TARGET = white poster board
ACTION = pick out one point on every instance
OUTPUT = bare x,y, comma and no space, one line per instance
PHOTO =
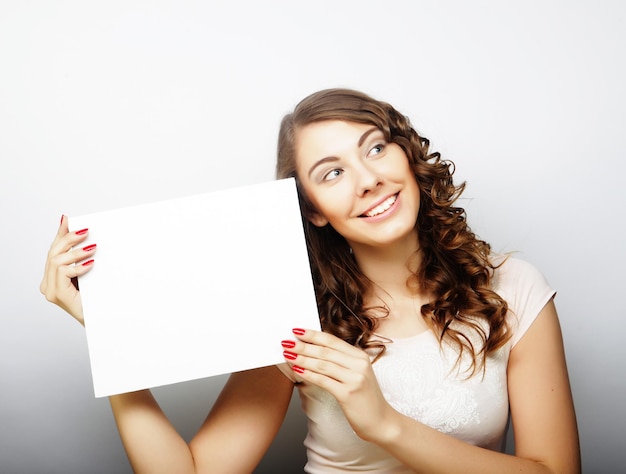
194,287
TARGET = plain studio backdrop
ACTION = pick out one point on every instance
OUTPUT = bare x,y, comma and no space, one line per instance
110,104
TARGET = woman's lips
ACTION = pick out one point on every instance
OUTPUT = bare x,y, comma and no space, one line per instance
382,207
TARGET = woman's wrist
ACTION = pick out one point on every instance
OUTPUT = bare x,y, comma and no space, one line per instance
388,431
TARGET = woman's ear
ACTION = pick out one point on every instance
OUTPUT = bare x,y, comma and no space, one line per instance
309,212
316,219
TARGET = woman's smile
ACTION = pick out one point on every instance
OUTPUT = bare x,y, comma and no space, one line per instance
380,210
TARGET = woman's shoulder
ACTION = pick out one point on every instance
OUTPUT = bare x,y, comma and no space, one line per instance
525,289
514,272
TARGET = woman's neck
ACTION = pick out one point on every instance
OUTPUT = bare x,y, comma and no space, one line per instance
389,267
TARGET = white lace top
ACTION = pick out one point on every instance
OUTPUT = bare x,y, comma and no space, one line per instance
417,378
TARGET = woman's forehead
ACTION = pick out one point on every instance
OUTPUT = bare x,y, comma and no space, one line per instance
329,134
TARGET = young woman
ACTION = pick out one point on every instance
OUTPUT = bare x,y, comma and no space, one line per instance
429,339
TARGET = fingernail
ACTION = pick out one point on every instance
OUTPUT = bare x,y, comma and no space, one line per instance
89,247
297,369
288,344
298,331
62,217
81,232
290,355
87,263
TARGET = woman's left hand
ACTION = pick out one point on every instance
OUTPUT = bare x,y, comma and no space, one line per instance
346,373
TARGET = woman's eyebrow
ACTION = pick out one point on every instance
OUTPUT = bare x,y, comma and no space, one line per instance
321,162
328,159
366,134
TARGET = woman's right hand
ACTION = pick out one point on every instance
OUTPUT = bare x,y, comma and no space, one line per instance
66,261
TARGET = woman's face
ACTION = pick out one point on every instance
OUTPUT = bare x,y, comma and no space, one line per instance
357,182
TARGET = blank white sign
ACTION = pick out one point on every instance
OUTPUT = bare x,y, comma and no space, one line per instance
195,287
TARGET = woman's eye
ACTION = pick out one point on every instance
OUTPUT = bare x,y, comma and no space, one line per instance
377,149
333,174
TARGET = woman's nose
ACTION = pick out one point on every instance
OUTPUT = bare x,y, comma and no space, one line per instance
367,179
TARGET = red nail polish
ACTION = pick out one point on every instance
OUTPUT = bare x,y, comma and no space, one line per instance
87,263
81,232
290,355
297,369
298,331
62,217
89,247
288,344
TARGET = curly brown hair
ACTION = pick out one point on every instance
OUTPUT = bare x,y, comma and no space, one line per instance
455,265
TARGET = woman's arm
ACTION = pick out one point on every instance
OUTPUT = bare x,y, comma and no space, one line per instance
542,411
151,442
233,438
541,405
243,422
542,408
237,432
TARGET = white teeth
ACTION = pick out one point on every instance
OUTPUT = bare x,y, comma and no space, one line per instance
382,207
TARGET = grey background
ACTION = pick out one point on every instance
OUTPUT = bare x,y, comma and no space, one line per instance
104,105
